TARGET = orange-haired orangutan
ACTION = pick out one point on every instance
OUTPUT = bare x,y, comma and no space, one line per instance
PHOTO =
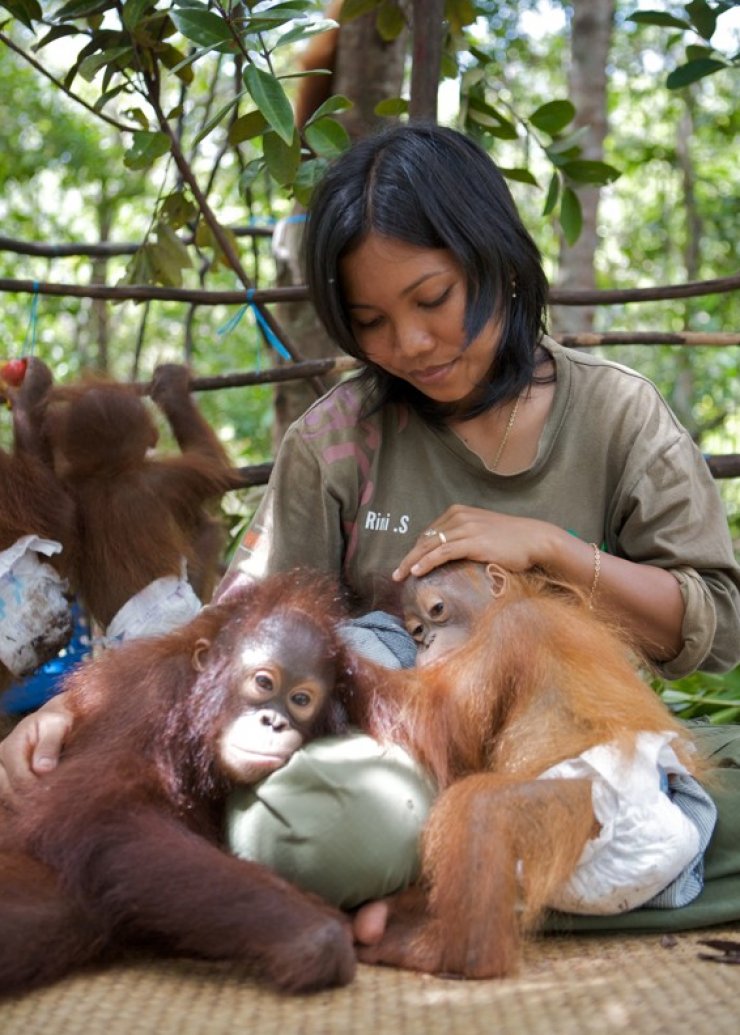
549,751
121,843
37,532
141,519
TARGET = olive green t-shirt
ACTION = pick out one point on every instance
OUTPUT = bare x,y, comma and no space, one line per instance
350,494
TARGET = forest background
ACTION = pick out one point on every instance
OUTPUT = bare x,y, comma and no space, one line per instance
153,143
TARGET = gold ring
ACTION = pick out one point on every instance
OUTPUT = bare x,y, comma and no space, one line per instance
430,532
442,537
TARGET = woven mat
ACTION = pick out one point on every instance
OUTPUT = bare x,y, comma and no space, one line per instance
577,985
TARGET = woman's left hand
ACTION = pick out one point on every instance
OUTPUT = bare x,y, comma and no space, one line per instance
475,534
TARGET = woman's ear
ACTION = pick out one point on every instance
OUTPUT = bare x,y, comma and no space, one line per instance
499,579
198,658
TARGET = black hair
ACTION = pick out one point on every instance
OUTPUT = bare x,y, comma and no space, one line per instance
432,187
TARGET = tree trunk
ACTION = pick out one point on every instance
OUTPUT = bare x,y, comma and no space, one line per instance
684,388
367,70
427,58
591,30
100,322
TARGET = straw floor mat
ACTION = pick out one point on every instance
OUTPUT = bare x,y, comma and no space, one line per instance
577,985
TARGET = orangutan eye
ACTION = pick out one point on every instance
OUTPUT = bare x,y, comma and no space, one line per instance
264,682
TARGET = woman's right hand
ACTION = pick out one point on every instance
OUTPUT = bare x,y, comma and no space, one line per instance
33,748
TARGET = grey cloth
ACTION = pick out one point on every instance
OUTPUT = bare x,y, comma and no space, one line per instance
382,638
688,794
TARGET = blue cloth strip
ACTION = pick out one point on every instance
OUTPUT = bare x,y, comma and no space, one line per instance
29,343
232,323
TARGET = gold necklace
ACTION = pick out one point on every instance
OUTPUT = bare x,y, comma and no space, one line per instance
502,445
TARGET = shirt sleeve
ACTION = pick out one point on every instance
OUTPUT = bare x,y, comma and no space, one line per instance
673,517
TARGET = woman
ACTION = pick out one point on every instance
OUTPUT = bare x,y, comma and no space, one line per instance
470,433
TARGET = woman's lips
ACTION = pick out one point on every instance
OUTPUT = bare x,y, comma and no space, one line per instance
433,375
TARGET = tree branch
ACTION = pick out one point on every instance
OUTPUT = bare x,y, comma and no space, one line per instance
65,90
299,293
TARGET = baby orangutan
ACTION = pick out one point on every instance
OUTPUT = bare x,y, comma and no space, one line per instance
122,843
548,750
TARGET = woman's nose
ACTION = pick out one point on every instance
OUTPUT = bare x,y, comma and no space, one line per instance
412,338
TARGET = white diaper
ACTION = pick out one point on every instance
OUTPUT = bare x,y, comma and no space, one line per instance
645,840
159,608
35,616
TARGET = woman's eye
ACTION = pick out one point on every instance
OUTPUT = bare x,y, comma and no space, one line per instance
439,300
367,325
264,682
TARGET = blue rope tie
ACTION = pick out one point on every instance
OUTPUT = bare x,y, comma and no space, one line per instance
232,323
29,343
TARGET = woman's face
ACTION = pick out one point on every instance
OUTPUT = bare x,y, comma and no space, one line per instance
407,306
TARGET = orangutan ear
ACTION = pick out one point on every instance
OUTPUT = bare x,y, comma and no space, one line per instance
201,648
499,579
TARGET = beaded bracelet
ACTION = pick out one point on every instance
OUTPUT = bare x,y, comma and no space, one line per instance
597,573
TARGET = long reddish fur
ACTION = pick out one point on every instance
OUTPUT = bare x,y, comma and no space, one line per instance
121,843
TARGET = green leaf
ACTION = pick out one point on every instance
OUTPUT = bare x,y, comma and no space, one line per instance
137,115
553,193
172,58
480,55
571,216
390,22
192,58
140,269
246,127
26,11
330,107
391,107
309,174
146,149
203,27
169,257
90,67
486,115
569,142
448,67
215,119
250,173
519,175
459,13
57,33
270,98
109,95
724,716
658,18
560,157
83,9
354,8
552,117
587,171
282,159
327,137
270,19
178,209
303,32
694,52
134,12
703,18
693,71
